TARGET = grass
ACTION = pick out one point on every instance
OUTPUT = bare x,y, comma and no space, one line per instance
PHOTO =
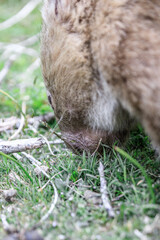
134,174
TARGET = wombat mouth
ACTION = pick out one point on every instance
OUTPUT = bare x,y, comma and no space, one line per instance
92,141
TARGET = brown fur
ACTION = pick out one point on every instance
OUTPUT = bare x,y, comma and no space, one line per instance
89,46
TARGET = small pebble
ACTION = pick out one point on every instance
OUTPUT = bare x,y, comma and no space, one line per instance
54,224
9,195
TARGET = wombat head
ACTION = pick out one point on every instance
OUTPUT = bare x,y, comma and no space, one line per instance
85,107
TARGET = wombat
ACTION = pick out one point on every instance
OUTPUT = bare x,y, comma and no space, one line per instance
101,67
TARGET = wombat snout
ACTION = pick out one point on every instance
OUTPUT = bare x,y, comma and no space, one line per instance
92,141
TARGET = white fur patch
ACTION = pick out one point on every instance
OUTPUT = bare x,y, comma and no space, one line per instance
102,112
106,113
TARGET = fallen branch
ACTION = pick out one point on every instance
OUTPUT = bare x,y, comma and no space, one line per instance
24,12
103,189
21,145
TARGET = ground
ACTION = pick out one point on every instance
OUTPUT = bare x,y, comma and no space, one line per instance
134,189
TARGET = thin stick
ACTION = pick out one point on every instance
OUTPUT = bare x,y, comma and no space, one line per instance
55,199
98,145
17,49
49,181
7,123
31,68
104,195
14,56
26,42
48,144
5,70
33,160
31,40
22,122
24,12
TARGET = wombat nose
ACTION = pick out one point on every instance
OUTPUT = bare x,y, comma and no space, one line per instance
90,141
82,141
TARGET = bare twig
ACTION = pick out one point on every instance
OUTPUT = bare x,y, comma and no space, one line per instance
140,235
32,160
53,203
27,42
17,156
48,144
21,122
16,49
12,57
118,197
30,41
98,145
31,68
49,181
7,123
55,199
10,47
104,194
24,12
5,70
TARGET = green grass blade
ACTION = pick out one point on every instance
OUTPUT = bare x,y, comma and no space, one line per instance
16,162
13,100
138,165
10,97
